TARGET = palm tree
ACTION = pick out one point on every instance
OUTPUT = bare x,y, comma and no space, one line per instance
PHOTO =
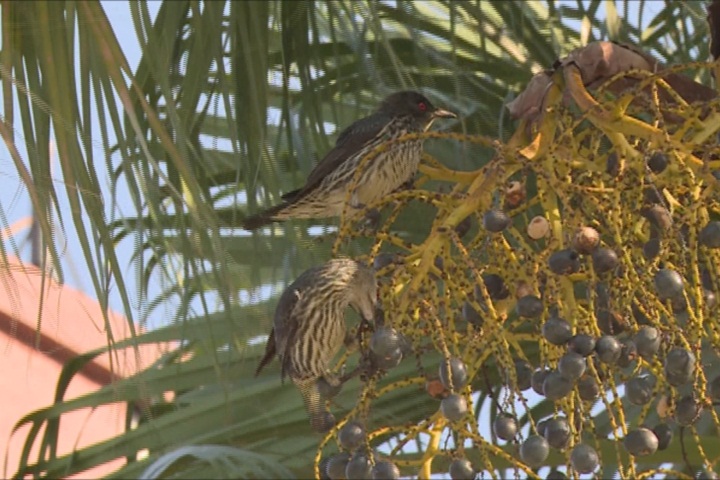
231,105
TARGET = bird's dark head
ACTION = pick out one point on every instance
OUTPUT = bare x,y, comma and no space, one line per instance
409,103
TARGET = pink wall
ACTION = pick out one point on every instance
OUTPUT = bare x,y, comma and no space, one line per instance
28,378
70,323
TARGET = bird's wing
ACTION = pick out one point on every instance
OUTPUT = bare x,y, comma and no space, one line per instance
350,141
286,325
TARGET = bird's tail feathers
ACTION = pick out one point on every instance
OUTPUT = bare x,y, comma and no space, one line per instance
263,218
269,353
290,196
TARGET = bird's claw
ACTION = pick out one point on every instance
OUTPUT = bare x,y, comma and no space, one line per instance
407,185
351,341
329,385
364,327
331,379
372,219
366,369
351,374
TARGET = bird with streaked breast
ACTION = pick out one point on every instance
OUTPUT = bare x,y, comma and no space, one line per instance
309,327
326,188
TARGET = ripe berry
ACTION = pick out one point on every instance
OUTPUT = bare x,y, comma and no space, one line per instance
359,467
647,341
687,411
679,366
641,442
588,388
556,386
710,235
584,458
668,284
557,433
534,451
639,390
453,373
604,260
471,315
664,433
564,262
582,344
530,306
657,162
454,407
537,379
523,373
336,465
557,330
461,469
351,435
628,353
572,366
496,221
505,427
495,286
608,349
384,470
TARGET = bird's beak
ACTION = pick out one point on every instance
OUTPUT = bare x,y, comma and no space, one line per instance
441,113
368,313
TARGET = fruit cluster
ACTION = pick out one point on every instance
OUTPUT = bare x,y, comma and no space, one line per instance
572,281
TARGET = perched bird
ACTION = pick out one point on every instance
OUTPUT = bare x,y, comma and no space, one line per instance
325,191
309,327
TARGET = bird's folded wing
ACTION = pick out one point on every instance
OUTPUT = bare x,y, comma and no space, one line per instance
285,325
349,143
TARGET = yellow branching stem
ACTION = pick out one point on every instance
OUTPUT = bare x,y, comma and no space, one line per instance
637,167
433,447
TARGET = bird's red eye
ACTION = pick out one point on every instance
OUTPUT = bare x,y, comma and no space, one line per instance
422,106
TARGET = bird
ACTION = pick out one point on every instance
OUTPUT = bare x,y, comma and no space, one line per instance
309,328
324,192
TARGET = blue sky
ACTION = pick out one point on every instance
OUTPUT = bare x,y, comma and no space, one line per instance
15,204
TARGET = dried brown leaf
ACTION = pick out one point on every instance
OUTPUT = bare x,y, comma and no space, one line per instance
528,104
598,62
